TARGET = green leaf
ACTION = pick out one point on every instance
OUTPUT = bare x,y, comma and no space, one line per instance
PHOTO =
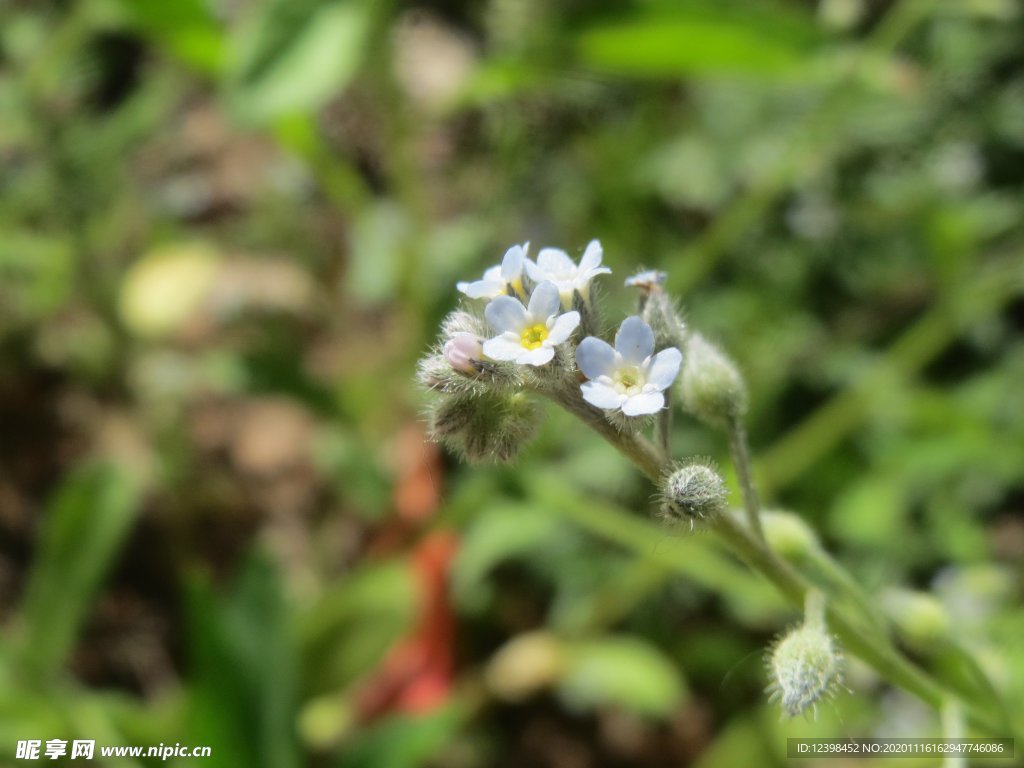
84,528
297,54
699,38
243,671
355,622
623,671
186,28
501,532
403,741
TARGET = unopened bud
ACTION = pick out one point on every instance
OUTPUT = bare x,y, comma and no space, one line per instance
788,534
461,321
451,415
661,313
711,385
920,618
491,426
805,665
693,492
464,350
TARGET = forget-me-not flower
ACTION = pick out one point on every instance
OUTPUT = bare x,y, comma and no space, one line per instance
647,280
496,280
629,377
554,265
528,335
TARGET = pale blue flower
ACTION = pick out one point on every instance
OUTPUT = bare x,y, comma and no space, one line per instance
555,266
528,335
648,280
496,280
630,377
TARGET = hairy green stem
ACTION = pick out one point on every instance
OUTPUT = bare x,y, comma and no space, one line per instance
871,646
744,474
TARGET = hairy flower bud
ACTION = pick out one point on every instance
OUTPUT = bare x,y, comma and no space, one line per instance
788,534
711,385
461,321
491,426
805,665
464,350
691,493
660,312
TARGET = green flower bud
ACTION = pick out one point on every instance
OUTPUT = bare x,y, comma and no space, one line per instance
692,493
805,666
660,312
491,426
788,534
921,619
711,386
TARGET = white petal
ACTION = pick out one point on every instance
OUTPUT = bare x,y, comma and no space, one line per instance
663,368
512,264
590,274
555,262
483,289
563,326
538,356
544,302
508,346
601,395
649,278
634,341
638,405
536,274
506,314
595,357
591,256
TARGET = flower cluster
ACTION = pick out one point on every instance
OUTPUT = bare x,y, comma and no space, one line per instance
520,329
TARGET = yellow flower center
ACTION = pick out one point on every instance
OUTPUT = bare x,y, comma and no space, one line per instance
628,380
533,336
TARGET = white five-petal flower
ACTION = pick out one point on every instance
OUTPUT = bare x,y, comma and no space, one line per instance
555,266
629,377
528,335
496,280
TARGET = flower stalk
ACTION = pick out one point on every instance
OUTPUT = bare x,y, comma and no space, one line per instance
537,313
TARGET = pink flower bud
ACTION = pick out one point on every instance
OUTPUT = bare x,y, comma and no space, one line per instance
463,350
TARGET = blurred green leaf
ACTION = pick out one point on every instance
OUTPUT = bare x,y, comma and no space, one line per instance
85,525
186,28
354,623
500,532
623,671
402,741
671,40
294,55
243,701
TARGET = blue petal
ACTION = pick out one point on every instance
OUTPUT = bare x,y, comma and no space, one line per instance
545,301
595,357
506,314
635,340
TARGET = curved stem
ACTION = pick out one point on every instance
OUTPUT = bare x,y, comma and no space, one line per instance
873,647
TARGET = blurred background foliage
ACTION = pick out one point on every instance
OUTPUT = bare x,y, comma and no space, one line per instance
228,228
